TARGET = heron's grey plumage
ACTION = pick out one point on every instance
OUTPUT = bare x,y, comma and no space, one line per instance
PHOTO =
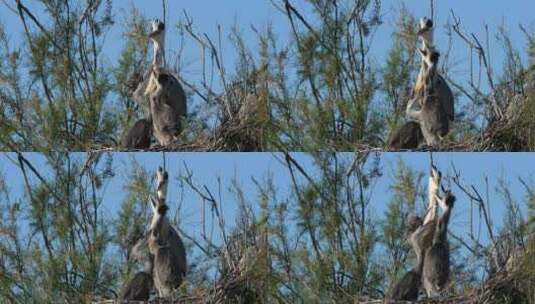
428,109
445,95
443,91
433,104
436,268
408,136
167,102
137,288
139,136
137,85
408,287
432,107
169,264
168,107
421,237
165,245
140,253
433,120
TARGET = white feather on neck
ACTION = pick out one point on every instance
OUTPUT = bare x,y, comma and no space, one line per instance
161,194
158,65
159,51
155,219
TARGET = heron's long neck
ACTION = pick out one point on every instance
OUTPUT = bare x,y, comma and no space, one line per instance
429,40
431,79
432,191
156,219
159,221
441,232
159,53
419,262
427,43
416,242
420,80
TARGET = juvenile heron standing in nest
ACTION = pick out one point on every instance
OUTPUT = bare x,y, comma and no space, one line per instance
160,94
139,287
407,137
167,99
429,110
421,236
430,90
139,136
436,268
165,245
408,287
443,91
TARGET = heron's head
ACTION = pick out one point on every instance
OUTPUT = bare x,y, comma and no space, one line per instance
426,24
435,173
425,32
162,174
157,33
162,209
449,199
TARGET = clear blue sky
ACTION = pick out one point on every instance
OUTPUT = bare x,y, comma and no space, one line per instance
208,167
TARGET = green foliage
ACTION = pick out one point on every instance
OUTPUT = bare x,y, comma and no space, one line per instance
317,241
132,59
399,73
58,252
405,191
323,90
334,63
131,224
64,87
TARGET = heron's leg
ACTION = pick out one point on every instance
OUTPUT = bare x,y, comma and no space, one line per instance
154,204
